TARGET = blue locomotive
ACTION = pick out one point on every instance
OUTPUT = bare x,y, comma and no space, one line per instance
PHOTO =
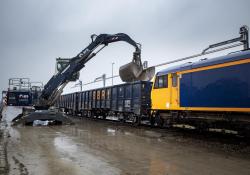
210,93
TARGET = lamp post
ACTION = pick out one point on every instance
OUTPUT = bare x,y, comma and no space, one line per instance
103,78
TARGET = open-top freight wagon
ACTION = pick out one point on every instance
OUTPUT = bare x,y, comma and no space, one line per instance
129,101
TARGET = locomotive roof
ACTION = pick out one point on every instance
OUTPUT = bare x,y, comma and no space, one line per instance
206,62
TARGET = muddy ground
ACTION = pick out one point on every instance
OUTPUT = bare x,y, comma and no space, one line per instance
97,147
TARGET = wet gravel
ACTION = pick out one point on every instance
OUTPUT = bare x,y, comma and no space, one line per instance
101,147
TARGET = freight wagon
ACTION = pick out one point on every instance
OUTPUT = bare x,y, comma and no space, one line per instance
130,101
22,97
22,92
19,98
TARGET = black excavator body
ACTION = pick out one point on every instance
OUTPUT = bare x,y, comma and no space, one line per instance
52,117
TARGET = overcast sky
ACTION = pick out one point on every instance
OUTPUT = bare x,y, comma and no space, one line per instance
35,32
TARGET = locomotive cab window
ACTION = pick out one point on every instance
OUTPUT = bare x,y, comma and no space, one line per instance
161,82
174,80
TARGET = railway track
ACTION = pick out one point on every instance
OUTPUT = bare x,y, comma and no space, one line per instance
222,137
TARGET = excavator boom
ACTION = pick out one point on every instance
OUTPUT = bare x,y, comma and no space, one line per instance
55,85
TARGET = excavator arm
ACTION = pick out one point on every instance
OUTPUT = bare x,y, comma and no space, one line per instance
55,85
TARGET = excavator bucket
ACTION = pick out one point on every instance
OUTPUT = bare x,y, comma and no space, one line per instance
130,72
133,72
147,74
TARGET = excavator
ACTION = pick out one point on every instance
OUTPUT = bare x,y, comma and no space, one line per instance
69,71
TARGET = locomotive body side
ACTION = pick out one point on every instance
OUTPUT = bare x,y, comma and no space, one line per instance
221,85
215,89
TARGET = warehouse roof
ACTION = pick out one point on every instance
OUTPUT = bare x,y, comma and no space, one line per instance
207,62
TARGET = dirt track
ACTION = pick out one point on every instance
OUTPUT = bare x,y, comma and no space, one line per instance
94,147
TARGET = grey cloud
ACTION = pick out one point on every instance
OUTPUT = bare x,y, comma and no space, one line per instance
33,33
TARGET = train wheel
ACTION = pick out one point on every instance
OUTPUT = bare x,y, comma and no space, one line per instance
159,121
136,120
152,121
122,117
93,114
104,115
84,114
89,114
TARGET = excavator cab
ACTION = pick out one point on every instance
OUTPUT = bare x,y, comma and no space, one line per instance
61,64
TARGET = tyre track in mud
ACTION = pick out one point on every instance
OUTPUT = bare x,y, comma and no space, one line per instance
4,165
21,167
